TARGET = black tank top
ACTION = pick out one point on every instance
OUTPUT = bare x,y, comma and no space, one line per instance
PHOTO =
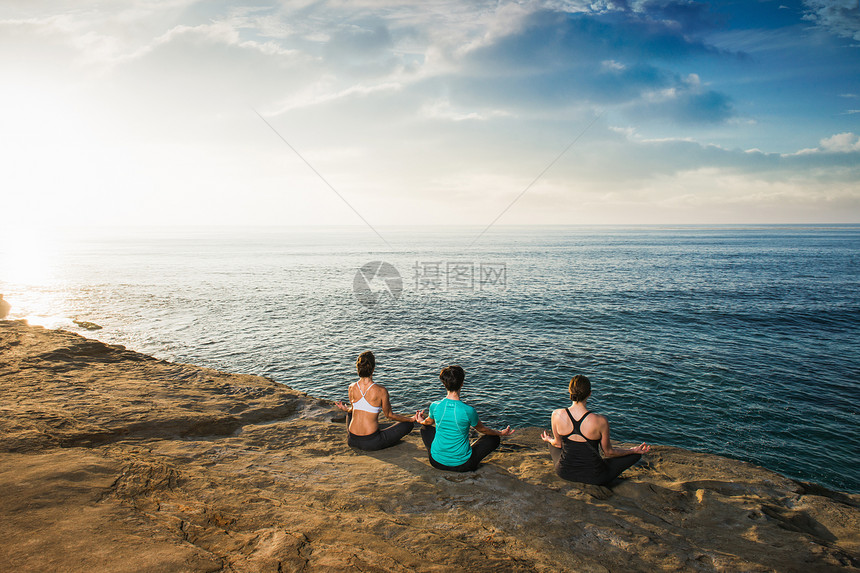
576,430
580,461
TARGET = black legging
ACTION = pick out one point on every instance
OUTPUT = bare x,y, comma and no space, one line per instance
612,468
386,436
480,450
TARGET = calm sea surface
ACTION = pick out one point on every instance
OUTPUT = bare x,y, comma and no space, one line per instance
733,340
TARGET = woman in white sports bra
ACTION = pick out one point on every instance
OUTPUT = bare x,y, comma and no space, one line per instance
367,400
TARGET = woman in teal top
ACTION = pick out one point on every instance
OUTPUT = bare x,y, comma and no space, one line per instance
445,430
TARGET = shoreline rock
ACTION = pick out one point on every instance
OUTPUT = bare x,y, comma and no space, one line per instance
111,460
5,307
87,325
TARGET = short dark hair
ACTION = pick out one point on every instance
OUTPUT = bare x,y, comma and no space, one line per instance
580,388
365,364
452,377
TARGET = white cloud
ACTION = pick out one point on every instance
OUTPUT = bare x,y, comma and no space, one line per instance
442,109
840,143
323,92
612,65
628,132
842,17
124,111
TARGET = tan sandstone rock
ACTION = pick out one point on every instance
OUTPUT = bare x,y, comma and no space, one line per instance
114,461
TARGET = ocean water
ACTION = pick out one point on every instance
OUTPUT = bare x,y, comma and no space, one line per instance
741,341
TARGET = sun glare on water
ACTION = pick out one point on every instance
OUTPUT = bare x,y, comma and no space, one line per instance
29,259
28,256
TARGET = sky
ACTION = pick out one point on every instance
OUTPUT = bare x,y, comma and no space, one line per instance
182,112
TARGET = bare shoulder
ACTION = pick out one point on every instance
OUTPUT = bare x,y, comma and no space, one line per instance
597,419
379,391
560,420
380,388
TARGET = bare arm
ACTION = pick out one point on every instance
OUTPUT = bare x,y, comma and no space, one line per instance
553,439
348,406
386,409
491,432
419,417
606,443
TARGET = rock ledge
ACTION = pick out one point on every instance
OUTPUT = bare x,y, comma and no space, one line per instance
114,461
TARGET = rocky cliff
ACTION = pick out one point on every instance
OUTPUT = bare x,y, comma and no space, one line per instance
111,460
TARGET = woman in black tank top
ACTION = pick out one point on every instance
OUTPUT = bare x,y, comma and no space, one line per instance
577,457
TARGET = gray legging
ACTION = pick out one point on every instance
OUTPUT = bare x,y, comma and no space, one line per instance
480,450
386,436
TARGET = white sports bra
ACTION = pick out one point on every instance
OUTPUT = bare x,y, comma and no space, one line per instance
362,403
